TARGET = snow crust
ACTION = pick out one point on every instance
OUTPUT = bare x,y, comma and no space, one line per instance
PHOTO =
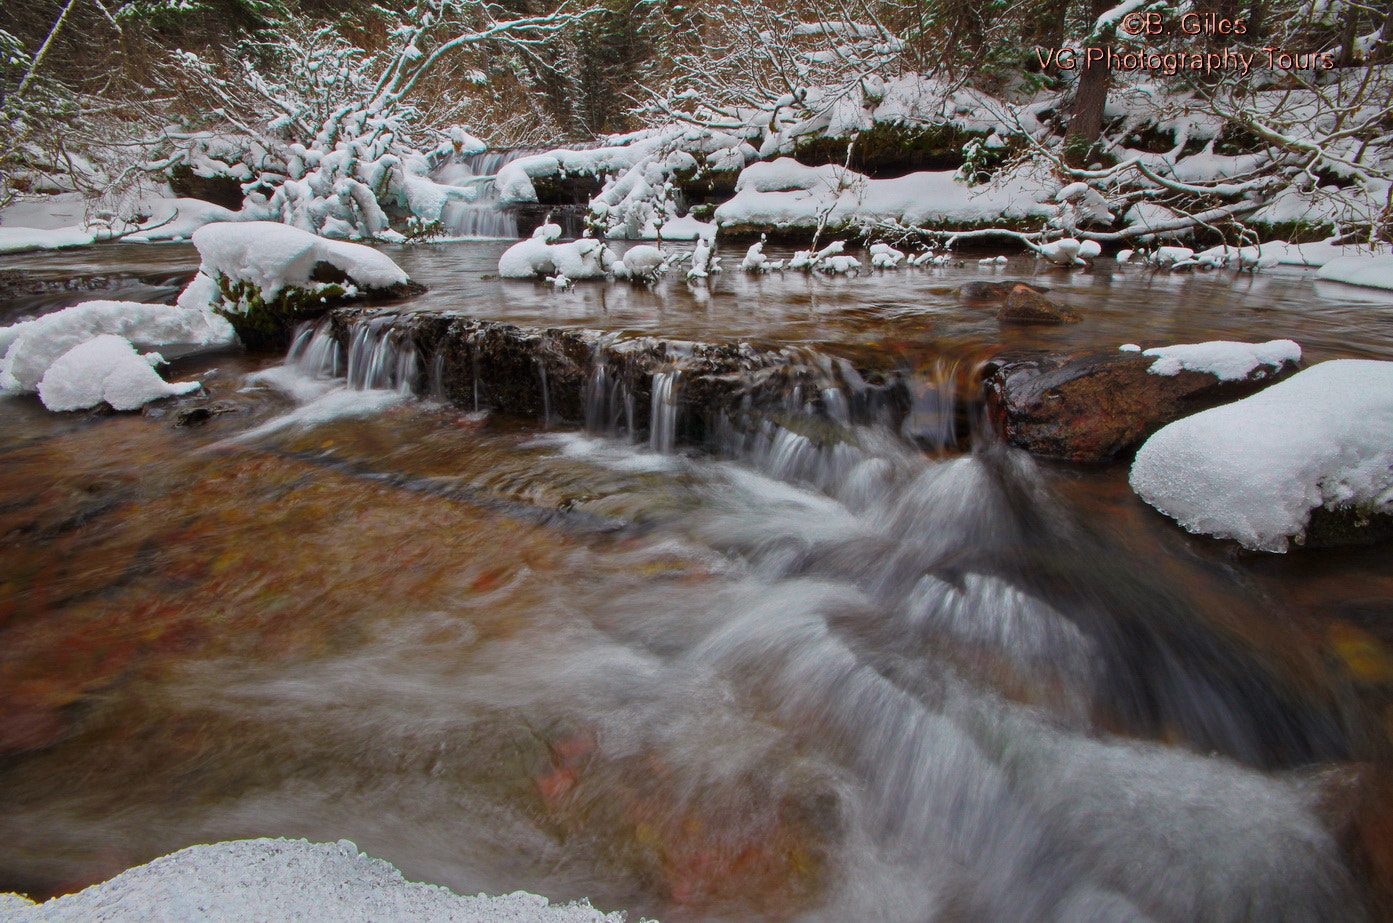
275,880
31,347
106,368
1254,470
274,257
1227,360
1373,271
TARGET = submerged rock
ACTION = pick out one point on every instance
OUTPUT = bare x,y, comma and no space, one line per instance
1025,305
1100,404
994,292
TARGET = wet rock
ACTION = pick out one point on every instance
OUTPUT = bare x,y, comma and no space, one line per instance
994,291
1101,404
568,375
197,416
1025,305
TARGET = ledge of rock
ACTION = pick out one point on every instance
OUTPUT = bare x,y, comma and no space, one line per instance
1100,404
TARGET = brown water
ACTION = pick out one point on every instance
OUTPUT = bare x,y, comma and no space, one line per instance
858,682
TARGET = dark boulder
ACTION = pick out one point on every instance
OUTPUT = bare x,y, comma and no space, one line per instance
1100,404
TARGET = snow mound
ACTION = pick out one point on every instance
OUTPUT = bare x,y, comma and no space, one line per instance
1225,360
274,257
1254,470
538,257
32,346
106,368
1373,271
280,879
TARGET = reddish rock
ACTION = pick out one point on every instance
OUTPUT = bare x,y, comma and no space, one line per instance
1024,305
1100,404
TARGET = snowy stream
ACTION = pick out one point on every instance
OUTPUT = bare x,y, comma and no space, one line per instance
790,679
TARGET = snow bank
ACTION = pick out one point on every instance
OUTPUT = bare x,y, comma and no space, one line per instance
285,880
786,194
31,347
1373,271
1254,470
106,368
1225,360
274,257
15,240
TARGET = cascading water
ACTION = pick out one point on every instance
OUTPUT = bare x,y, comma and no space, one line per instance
481,217
662,426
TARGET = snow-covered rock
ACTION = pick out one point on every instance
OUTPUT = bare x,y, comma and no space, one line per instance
1373,271
285,880
1254,470
1225,360
539,258
30,347
275,257
106,368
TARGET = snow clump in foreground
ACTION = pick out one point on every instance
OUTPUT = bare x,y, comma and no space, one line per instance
285,880
33,349
275,257
1222,359
106,368
1254,470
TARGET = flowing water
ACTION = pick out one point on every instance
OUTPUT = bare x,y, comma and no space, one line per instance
480,217
809,670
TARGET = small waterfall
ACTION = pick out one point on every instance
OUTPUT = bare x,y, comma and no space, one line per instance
932,420
608,399
546,392
379,357
314,352
482,217
662,426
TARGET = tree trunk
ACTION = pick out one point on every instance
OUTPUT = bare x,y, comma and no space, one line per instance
1086,115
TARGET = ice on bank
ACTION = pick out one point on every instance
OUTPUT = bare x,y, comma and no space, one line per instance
284,880
1254,470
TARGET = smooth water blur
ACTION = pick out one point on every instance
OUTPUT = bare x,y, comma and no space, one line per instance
786,679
